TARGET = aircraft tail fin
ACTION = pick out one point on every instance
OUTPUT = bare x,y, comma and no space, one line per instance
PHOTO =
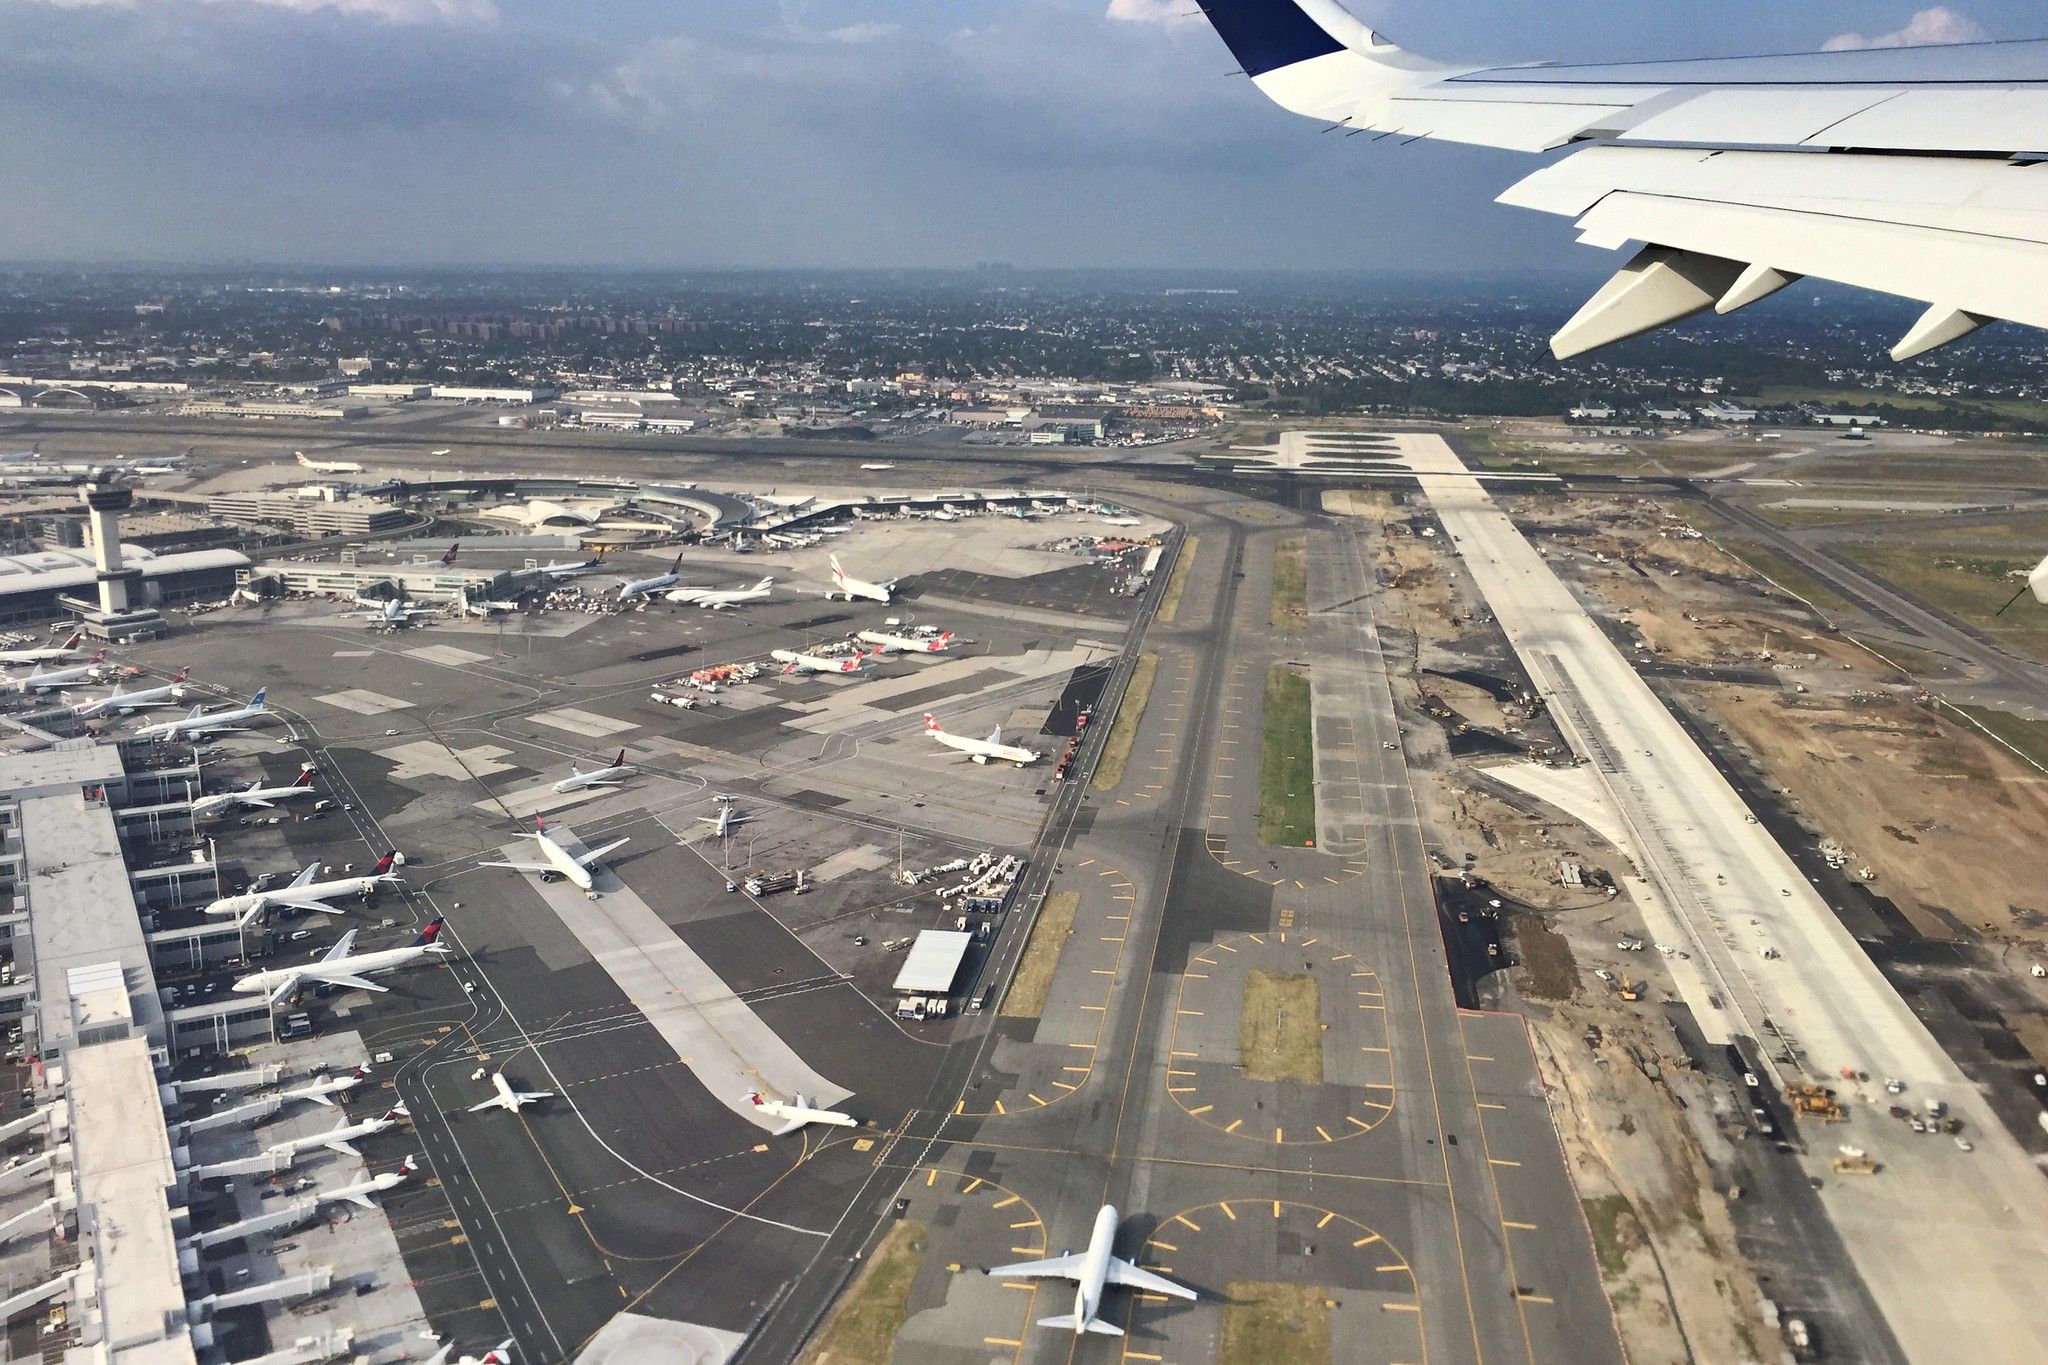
620,761
305,778
384,863
449,558
261,693
1073,1324
429,934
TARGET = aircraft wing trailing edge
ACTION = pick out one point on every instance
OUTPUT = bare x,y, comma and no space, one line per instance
1915,171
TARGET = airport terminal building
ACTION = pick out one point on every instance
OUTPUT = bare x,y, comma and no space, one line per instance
34,587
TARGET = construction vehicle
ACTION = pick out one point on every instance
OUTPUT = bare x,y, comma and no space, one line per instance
1629,989
1814,1101
1852,1161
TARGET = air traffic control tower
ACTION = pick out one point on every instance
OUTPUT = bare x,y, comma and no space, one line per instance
121,613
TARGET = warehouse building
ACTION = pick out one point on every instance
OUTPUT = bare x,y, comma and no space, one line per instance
277,412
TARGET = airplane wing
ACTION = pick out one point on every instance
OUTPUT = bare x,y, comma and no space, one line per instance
1124,1273
792,1126
333,978
341,1145
587,859
361,1197
494,1102
521,867
258,801
308,903
1928,189
317,1096
1058,1268
341,949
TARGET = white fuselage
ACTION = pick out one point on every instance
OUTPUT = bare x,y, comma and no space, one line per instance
718,599
55,678
49,654
250,901
599,777
853,589
801,662
323,1092
130,701
362,964
904,644
1094,1272
257,796
560,860
986,750
797,1112
199,725
338,1138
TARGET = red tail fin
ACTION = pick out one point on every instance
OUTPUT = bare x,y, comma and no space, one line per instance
620,761
449,558
183,673
430,933
72,643
305,778
384,863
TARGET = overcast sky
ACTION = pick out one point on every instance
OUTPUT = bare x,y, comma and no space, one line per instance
710,133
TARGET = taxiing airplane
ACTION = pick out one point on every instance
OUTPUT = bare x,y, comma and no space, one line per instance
723,823
1121,521
720,599
303,893
987,750
448,559
323,1090
877,466
29,456
797,662
798,1112
341,1137
328,466
255,794
501,1354
50,679
127,703
611,775
508,1098
886,643
1888,169
560,862
1092,1271
336,967
201,722
360,1192
646,587
45,654
851,588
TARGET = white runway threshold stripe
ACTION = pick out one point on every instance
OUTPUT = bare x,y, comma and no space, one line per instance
1951,1244
714,1033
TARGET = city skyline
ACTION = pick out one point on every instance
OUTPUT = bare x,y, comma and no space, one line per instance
890,133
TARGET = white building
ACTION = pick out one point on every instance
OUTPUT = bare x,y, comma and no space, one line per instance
402,393
460,394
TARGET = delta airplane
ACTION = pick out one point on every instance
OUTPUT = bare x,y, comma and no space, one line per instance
611,775
303,893
129,702
501,1354
328,466
45,654
1092,1271
560,862
645,587
360,1192
201,723
341,1137
852,588
981,750
448,559
798,1113
336,967
886,643
323,1090
508,1098
255,794
797,662
719,599
723,822
49,679
29,456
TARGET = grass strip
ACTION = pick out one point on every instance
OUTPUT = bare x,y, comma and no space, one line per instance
1032,983
1290,585
1264,1322
1123,733
864,1326
1287,765
1280,1035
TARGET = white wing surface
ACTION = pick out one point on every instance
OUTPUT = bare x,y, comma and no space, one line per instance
1909,171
